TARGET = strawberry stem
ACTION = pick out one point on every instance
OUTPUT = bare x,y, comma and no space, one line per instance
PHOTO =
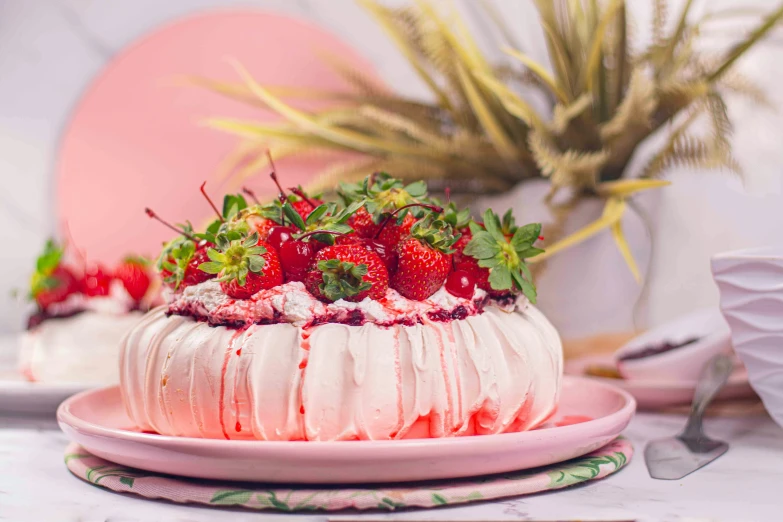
434,208
211,204
251,194
447,191
302,195
153,215
281,193
273,175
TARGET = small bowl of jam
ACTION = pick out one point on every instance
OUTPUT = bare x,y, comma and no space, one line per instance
677,350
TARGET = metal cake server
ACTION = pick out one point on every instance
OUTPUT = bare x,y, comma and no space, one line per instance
676,457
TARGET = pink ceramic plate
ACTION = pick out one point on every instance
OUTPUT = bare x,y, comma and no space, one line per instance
97,421
655,395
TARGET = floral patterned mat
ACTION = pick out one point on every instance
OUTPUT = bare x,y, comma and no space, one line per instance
105,474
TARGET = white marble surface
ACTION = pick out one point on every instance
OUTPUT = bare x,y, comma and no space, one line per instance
743,485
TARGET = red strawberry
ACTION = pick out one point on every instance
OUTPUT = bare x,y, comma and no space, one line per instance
165,274
303,208
96,281
469,264
56,288
392,233
241,260
261,225
279,235
254,283
480,275
387,255
302,203
193,275
460,284
349,239
421,269
460,245
350,272
133,275
363,223
296,257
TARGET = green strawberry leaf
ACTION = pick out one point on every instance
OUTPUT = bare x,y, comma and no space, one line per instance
49,258
458,219
235,256
417,189
212,267
525,236
500,278
293,216
492,225
475,228
527,288
436,233
505,258
482,246
256,264
342,279
232,205
175,257
529,252
317,213
251,240
508,224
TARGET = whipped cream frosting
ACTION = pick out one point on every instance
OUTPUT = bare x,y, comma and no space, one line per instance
83,348
79,341
493,372
292,303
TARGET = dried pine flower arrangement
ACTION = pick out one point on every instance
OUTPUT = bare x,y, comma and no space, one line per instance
480,134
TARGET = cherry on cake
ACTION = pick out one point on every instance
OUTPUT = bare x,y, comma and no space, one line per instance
387,315
81,313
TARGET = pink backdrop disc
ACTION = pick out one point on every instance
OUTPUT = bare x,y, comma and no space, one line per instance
135,138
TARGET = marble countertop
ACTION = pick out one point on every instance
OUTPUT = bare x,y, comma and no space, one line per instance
743,485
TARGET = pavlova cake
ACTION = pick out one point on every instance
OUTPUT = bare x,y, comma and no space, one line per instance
81,314
385,316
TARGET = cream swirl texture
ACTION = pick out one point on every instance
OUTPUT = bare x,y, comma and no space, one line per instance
494,372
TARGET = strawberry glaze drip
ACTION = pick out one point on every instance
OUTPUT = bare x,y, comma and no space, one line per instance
223,371
398,375
236,388
457,379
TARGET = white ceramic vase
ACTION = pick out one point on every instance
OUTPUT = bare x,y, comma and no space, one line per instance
586,289
751,299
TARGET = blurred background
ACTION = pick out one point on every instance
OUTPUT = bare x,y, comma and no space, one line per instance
53,53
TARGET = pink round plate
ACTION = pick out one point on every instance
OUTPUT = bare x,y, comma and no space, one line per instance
590,415
656,395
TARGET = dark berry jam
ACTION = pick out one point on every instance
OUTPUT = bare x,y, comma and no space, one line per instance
42,315
347,317
649,351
